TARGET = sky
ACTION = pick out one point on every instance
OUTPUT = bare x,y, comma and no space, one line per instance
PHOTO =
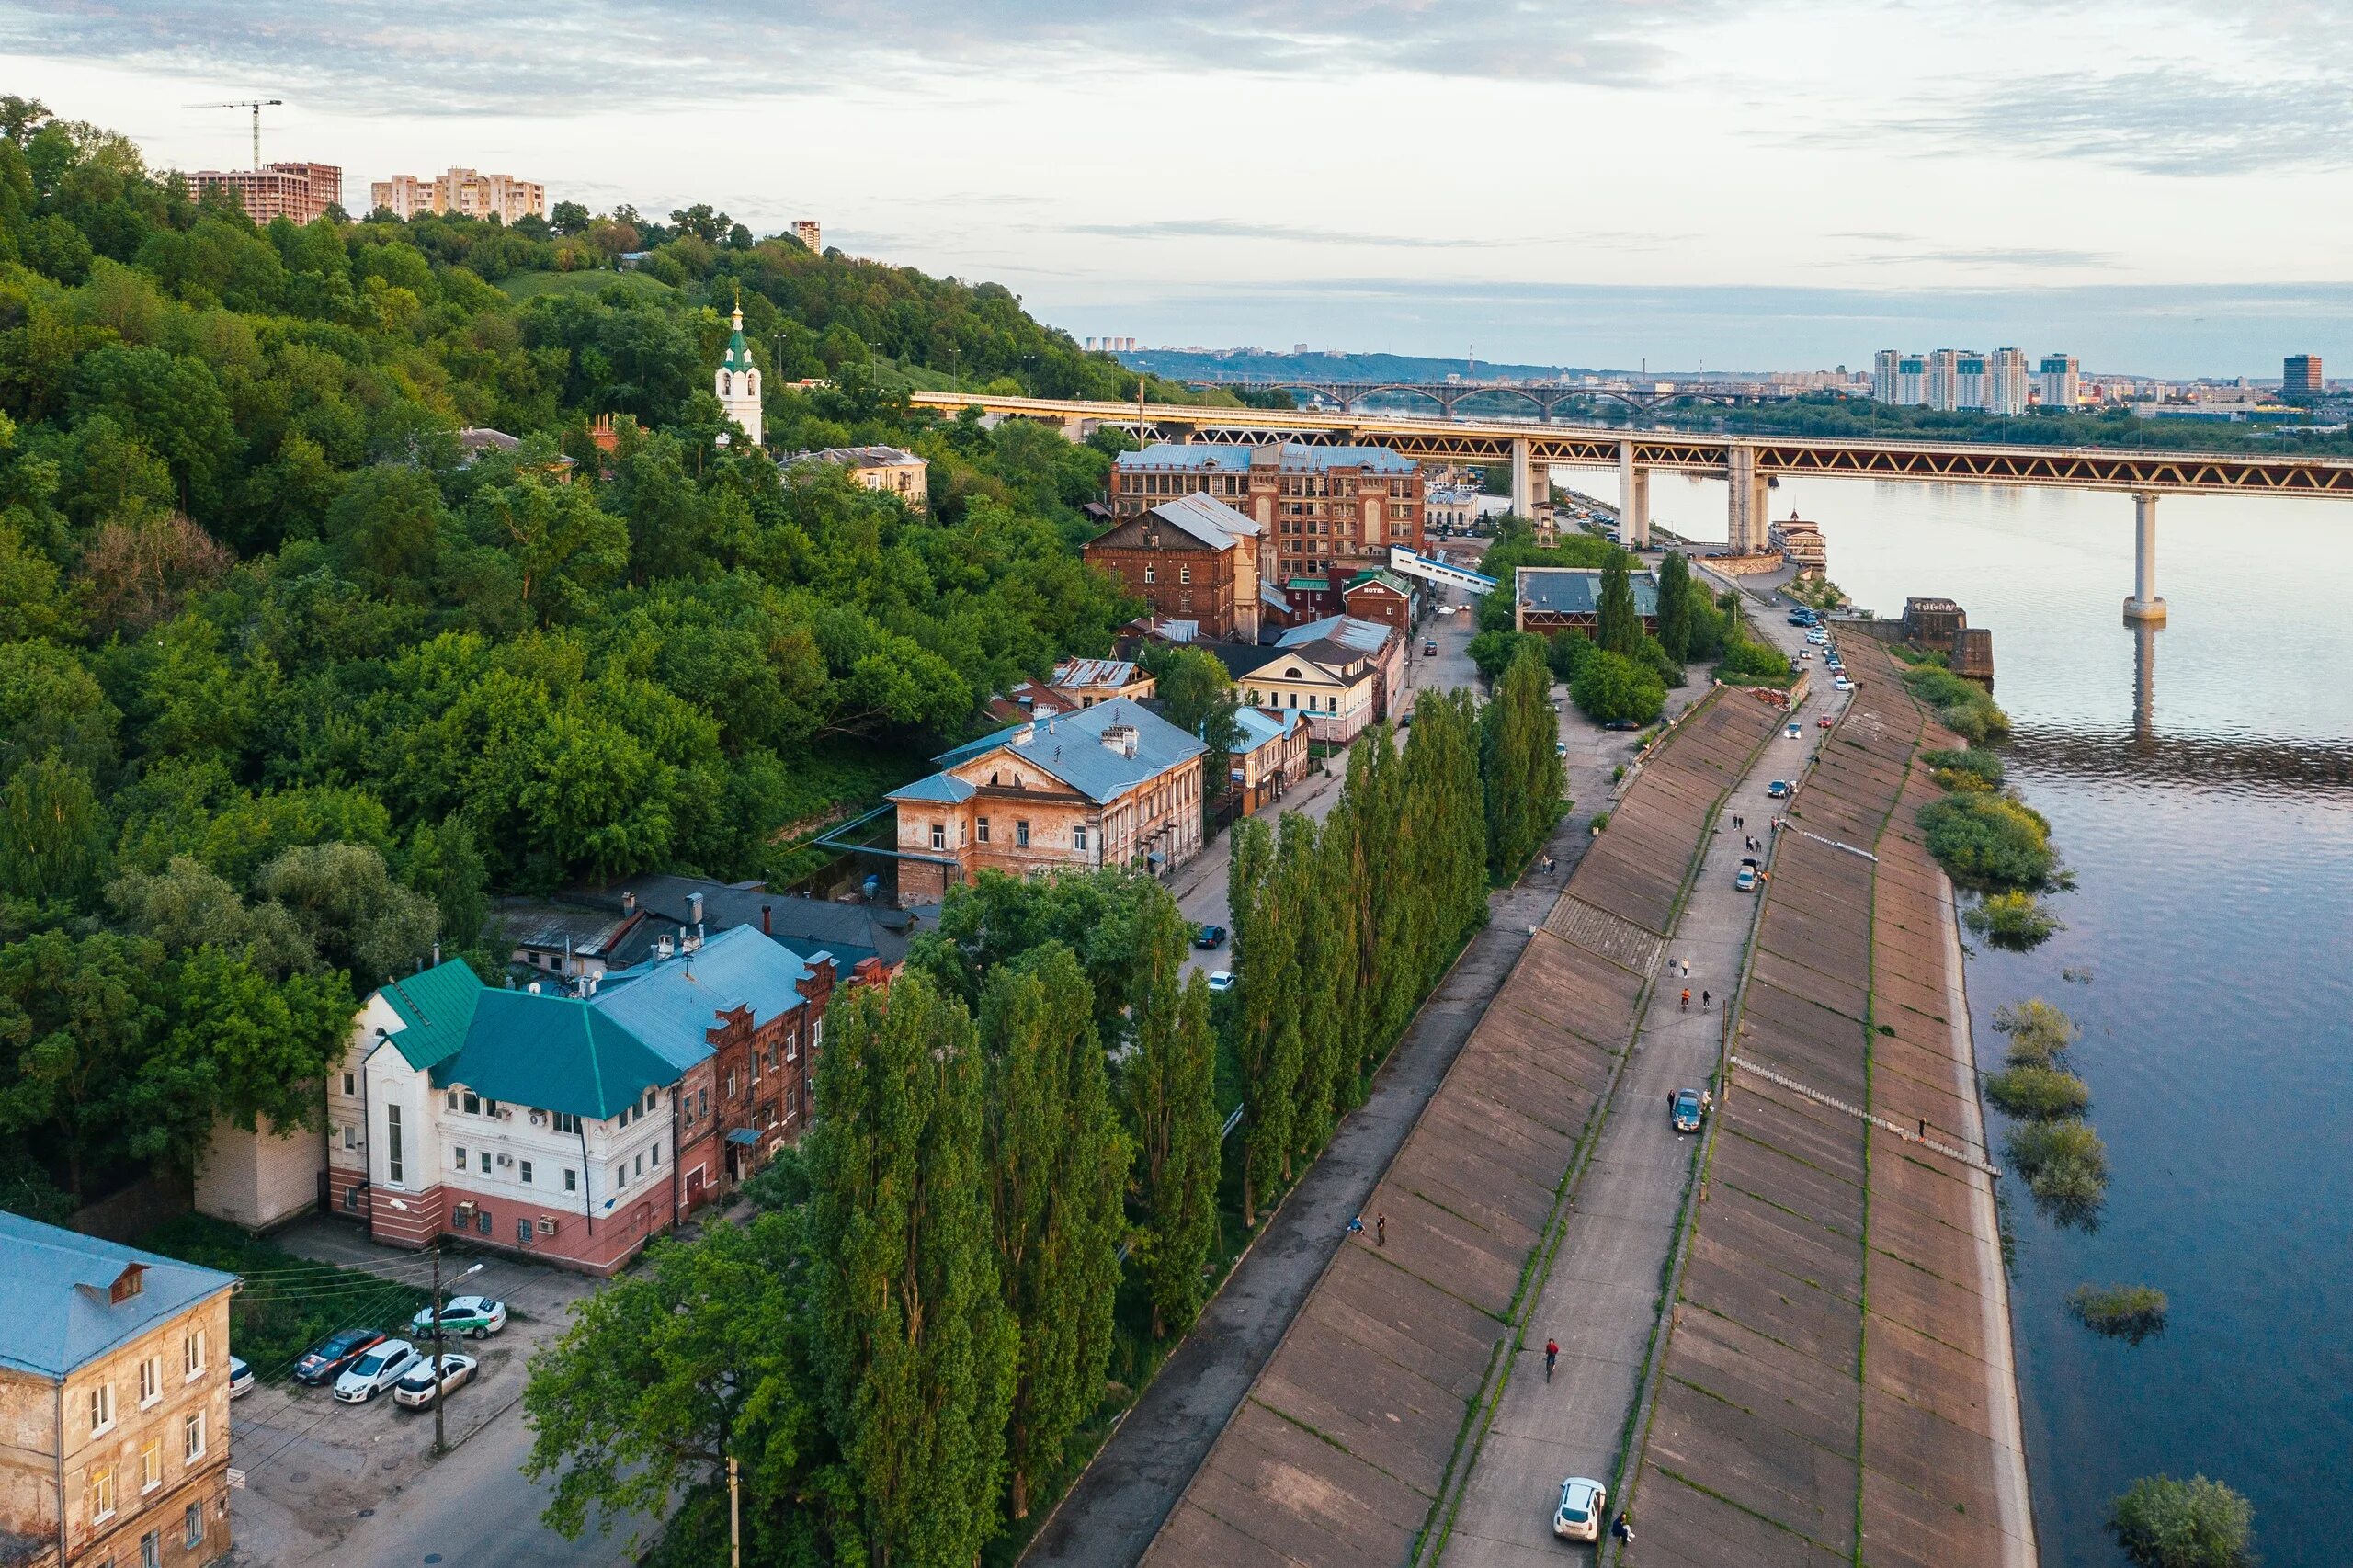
2152,185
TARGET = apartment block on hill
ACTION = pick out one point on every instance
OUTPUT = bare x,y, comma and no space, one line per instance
301,192
460,191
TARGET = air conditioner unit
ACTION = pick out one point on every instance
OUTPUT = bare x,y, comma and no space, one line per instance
506,1116
539,1118
463,1212
506,1159
547,1226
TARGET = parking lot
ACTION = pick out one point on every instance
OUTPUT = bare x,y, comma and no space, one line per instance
334,1483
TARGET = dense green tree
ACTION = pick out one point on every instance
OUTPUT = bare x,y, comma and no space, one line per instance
1674,605
913,1348
1168,1085
1521,764
344,900
1266,1038
1057,1163
1615,690
1618,628
53,832
77,1019
243,1045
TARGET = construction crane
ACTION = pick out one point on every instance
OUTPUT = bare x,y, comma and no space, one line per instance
257,105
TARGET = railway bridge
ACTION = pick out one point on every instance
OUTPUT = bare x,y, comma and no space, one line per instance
1749,463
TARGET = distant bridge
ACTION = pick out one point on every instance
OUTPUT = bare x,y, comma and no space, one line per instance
1749,463
1645,396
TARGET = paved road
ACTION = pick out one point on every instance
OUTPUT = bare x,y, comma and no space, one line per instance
1601,1298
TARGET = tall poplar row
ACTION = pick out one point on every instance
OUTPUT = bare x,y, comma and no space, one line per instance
1168,1084
1266,973
1057,1163
1324,1046
912,1344
1521,764
1442,789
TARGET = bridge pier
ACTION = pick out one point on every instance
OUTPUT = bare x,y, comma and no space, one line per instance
1523,480
1751,501
2144,605
1633,500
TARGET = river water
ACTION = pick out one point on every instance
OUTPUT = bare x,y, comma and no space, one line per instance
2199,783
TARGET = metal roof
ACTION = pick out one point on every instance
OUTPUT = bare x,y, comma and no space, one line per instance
56,1310
1577,590
854,457
556,1052
1214,523
850,931
436,1009
1095,672
531,924
1258,727
1071,748
671,1003
1363,636
942,788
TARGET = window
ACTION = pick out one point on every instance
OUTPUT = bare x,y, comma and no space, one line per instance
702,1102
565,1121
653,1099
570,1179
193,1438
192,1353
348,1086
527,1173
1078,836
490,1108
102,1493
1151,574
151,1550
1021,834
792,1046
460,1152
101,1408
195,1524
150,1467
351,1137
473,1103
730,1083
638,1169
481,1221
484,1155
1184,573
657,1156
450,1100
938,836
980,830
151,1381
392,1144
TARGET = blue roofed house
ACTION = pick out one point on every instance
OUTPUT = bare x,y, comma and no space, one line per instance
573,1122
1269,757
114,1402
1111,785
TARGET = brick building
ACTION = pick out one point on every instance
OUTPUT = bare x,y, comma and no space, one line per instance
1381,596
1191,558
114,1404
298,191
1338,675
1110,785
1325,512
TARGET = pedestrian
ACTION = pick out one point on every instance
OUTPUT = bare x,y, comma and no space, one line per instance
1381,1230
1623,1529
1356,1225
1703,1001
1686,969
1686,999
1924,1130
1552,1354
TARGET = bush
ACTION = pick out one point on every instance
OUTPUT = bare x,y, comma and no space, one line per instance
1754,663
2038,1094
289,1303
2129,1312
1963,707
1992,842
2065,1167
1663,665
2012,920
1613,687
2039,1033
1493,652
1973,769
2164,1523
1572,650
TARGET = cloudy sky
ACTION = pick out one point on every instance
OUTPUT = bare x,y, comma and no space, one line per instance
2155,185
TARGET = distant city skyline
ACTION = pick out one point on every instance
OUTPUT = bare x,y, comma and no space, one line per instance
2131,178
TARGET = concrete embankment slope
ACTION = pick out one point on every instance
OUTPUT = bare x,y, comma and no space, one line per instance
1837,1385
1349,1432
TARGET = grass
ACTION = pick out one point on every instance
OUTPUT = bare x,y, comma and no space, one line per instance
530,284
288,1303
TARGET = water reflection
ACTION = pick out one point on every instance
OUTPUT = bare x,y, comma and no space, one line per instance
2144,684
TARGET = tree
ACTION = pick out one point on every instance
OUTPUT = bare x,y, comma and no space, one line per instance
1169,1086
1308,901
1570,652
53,832
1198,696
2164,1523
569,218
1266,1039
1674,606
76,1021
1057,1163
1521,763
913,1348
244,1045
1618,628
1613,688
345,902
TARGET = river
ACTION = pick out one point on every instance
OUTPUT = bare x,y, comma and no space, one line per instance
2199,783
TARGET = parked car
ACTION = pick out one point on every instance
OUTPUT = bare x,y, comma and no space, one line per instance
1805,654
473,1317
1221,981
1683,1107
376,1372
1745,880
240,1378
1791,730
325,1361
1561,750
1429,646
1622,724
1823,722
1779,790
1208,938
1578,1517
1843,684
418,1388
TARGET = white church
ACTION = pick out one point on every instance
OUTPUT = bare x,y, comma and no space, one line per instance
738,382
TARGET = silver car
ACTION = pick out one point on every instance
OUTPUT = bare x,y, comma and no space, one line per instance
376,1372
418,1389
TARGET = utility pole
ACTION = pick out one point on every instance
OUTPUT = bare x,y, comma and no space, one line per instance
734,1517
439,1447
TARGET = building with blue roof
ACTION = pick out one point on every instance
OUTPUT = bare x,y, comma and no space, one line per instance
114,1396
1269,757
1114,785
576,1121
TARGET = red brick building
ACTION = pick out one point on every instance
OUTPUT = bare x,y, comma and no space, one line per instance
1191,558
1325,512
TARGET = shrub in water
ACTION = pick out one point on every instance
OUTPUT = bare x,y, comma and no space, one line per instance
2039,1033
2065,1167
2015,921
1972,768
2164,1523
1992,842
2038,1094
2129,1312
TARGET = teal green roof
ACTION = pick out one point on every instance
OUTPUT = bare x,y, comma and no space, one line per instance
739,353
435,1008
556,1052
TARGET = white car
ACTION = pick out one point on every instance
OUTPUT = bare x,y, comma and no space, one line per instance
1578,1517
1843,684
418,1388
240,1378
1221,981
376,1372
473,1317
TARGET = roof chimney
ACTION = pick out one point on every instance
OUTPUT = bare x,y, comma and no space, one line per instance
629,901
765,930
694,909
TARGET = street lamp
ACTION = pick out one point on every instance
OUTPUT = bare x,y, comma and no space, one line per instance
439,1447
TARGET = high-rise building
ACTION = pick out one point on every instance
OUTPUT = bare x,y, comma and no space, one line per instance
2062,380
299,191
811,238
1899,377
2004,382
2300,376
461,192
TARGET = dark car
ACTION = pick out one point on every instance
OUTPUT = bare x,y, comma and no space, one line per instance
325,1361
1779,790
1430,645
1209,937
1684,1106
1622,724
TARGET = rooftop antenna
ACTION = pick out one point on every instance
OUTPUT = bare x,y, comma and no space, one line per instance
257,105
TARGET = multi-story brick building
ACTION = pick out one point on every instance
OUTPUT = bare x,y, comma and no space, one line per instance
299,191
462,191
574,1124
1111,785
114,1404
1191,558
1325,512
1338,674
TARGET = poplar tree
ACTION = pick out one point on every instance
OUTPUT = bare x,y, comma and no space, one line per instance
1313,904
1674,606
1171,1091
1267,1043
1521,764
910,1340
1056,1161
1442,774
1618,629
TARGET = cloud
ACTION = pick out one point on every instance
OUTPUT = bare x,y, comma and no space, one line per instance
2004,256
389,57
2171,121
1288,234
